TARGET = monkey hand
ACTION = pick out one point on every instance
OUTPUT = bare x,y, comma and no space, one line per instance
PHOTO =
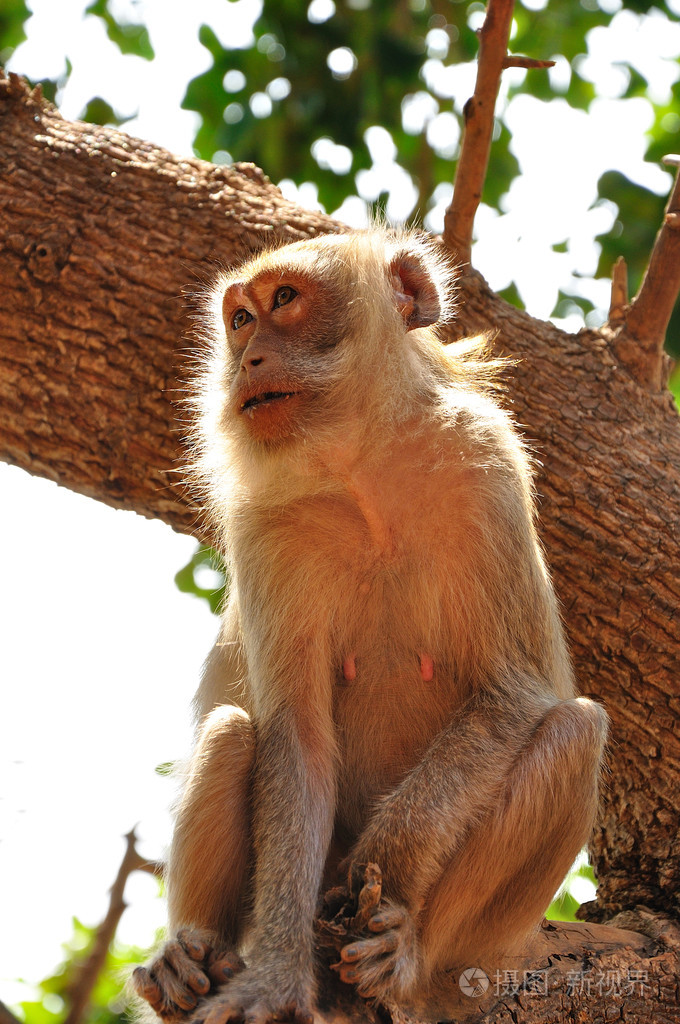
257,997
382,959
186,969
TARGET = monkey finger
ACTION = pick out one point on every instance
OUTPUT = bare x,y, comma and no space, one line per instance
223,966
187,971
193,943
174,990
146,987
387,942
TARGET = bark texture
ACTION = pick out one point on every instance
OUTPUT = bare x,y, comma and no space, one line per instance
102,235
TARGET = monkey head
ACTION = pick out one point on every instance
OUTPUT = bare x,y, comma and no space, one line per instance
308,331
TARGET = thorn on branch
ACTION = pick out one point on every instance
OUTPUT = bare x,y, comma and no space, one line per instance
619,296
526,62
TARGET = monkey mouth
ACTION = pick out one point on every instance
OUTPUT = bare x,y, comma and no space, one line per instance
266,398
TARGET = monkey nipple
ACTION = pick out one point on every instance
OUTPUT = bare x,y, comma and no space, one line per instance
426,667
349,668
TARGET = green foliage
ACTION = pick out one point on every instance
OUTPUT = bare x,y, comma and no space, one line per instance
108,1005
13,14
204,576
632,235
270,102
98,111
128,37
566,903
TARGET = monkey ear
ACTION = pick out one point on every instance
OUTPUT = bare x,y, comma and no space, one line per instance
416,295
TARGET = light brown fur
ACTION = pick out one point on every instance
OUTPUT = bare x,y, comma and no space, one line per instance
392,638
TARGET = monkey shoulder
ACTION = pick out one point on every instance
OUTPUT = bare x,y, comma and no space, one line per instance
481,445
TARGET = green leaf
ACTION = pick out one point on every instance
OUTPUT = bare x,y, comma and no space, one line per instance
129,38
13,14
98,111
188,579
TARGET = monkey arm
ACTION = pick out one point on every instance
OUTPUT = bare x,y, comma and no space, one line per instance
293,806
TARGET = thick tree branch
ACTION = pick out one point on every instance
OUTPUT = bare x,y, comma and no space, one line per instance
100,234
638,341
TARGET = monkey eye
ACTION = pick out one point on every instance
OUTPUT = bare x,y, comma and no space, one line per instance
240,318
284,296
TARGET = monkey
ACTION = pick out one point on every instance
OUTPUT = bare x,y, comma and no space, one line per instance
392,683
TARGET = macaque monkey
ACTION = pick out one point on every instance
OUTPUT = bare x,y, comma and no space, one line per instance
391,684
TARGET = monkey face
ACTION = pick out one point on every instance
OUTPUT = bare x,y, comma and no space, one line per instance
281,331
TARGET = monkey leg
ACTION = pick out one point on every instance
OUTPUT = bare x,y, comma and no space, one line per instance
207,871
491,891
493,894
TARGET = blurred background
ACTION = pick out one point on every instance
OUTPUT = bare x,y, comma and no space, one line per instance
350,106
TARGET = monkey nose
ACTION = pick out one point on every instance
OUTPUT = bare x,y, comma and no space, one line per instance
251,363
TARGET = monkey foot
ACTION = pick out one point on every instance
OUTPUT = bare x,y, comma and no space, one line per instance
376,939
186,970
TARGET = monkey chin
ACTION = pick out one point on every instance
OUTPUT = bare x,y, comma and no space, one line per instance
272,418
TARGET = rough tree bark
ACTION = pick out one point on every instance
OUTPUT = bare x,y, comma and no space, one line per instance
101,237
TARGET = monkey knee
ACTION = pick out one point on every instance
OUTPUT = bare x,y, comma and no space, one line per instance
579,726
227,735
227,718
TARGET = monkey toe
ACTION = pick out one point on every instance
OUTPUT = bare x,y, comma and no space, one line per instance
382,964
368,949
387,917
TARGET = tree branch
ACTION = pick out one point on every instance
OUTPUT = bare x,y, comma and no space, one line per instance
93,356
479,115
91,968
6,1015
638,341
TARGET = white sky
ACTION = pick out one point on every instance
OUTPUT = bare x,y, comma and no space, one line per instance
100,654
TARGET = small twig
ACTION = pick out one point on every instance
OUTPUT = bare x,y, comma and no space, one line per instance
90,969
619,296
526,62
639,340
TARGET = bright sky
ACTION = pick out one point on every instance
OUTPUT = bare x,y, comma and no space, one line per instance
100,653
